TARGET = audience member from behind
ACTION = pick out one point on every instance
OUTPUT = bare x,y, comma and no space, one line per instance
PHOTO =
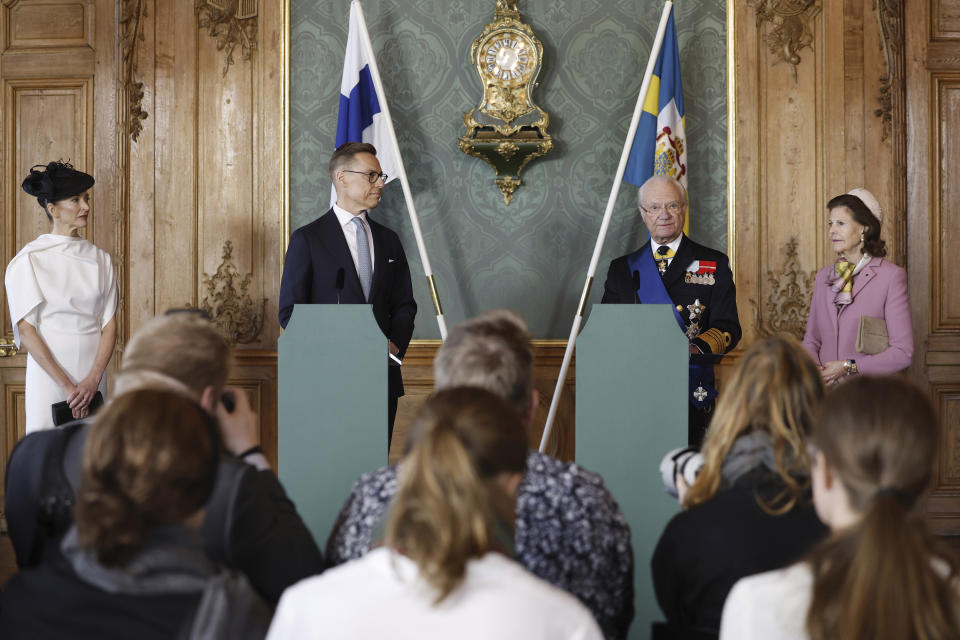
133,564
749,509
881,574
569,529
251,524
444,569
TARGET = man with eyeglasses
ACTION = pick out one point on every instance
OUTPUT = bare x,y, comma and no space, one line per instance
695,279
370,255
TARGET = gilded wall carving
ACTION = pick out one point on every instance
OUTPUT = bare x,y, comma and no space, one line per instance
790,27
132,14
788,303
533,255
229,304
232,23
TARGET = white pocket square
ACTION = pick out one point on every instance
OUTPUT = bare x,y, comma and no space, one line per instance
389,260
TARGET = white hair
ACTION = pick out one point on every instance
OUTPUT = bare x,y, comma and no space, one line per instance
662,179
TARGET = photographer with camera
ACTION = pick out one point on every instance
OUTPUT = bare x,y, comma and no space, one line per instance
250,525
748,509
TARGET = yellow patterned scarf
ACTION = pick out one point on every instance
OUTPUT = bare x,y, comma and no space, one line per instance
842,280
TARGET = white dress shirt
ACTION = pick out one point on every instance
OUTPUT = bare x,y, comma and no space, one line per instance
350,234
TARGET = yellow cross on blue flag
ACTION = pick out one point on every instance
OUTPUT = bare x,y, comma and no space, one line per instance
660,143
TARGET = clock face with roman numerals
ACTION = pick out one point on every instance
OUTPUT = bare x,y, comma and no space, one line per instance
507,58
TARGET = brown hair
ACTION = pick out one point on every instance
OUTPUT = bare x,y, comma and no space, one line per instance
492,352
449,499
876,579
345,153
775,388
150,459
872,243
184,346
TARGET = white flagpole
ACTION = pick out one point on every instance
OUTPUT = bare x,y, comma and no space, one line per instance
411,210
591,271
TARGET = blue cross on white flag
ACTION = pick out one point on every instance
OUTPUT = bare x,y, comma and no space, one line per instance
361,119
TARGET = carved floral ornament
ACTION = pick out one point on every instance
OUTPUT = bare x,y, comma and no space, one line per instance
789,27
232,23
788,303
132,14
229,304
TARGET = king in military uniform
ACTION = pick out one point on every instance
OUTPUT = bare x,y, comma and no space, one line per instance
694,279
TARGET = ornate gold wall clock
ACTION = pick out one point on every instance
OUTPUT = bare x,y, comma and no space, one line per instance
507,130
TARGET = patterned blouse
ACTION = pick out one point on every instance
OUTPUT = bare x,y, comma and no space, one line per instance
569,531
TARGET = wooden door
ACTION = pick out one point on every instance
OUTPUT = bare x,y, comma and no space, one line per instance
933,229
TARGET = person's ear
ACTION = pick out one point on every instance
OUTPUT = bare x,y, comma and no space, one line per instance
209,399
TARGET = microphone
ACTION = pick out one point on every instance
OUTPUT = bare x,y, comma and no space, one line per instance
338,285
636,286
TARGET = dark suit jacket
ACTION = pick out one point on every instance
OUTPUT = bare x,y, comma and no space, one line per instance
720,298
317,250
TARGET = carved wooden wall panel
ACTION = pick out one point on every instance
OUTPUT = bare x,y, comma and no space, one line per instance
933,225
945,230
54,24
206,172
808,126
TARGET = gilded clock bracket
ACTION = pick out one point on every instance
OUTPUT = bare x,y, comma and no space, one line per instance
507,130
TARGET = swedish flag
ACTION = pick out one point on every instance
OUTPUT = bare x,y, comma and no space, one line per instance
660,143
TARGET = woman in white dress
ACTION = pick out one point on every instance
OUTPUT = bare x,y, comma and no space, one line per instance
62,294
443,567
881,574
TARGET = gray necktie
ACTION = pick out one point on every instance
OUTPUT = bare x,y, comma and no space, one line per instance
364,269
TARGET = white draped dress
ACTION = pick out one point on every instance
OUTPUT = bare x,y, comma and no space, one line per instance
66,288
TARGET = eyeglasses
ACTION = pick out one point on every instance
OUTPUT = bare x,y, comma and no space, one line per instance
372,176
672,207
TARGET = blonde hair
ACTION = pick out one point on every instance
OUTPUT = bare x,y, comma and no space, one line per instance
449,498
150,459
775,388
184,346
876,579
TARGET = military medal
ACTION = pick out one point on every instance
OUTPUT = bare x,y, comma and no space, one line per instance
701,272
693,330
700,393
696,309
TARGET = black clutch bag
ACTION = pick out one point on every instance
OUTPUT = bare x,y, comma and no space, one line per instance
62,413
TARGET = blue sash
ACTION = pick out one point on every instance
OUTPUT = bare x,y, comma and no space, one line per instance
653,291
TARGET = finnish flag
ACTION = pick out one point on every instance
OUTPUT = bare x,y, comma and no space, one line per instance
363,115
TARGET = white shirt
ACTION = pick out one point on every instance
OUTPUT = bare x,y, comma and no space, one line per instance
382,596
769,606
350,234
673,245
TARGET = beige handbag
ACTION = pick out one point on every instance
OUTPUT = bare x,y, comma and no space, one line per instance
872,337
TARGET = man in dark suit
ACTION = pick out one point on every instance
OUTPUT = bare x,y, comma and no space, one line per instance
695,279
370,255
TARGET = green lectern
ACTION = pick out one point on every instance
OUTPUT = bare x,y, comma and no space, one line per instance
632,379
332,422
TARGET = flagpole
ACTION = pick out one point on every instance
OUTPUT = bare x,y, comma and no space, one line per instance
608,213
407,194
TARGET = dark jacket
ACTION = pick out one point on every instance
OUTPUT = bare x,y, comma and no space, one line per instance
706,549
318,250
251,524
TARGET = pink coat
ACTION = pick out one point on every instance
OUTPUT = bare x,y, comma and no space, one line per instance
879,290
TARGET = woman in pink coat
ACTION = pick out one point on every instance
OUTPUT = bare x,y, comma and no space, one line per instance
861,283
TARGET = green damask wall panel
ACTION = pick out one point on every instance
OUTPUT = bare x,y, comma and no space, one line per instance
532,255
